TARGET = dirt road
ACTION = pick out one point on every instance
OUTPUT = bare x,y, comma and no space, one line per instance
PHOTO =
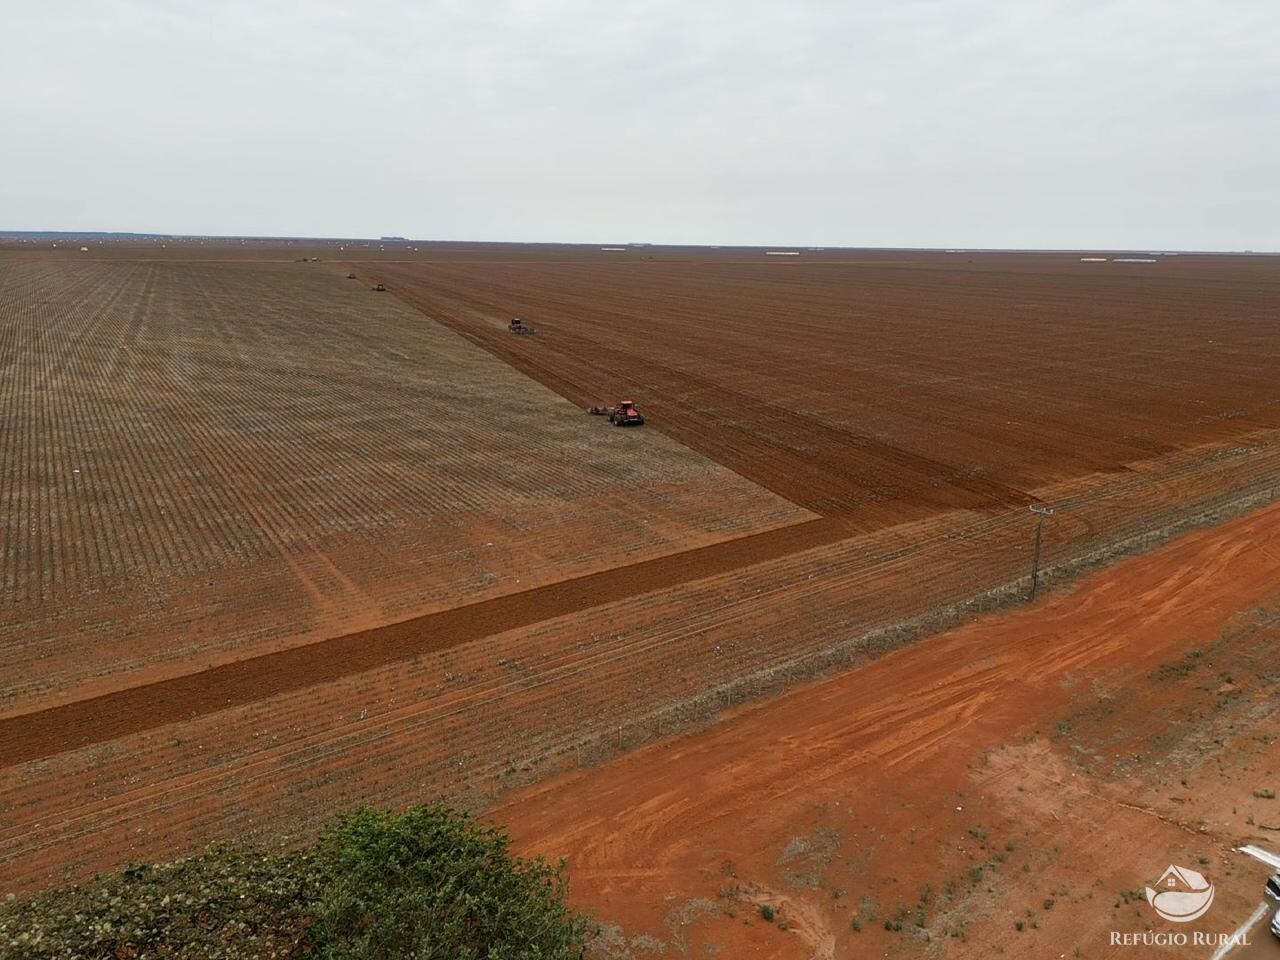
949,764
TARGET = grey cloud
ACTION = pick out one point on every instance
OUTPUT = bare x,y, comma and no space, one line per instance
1130,123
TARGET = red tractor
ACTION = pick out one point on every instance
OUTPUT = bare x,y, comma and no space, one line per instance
625,414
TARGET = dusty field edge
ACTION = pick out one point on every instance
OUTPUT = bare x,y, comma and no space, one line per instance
705,709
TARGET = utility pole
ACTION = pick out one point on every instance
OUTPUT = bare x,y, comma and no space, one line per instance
1041,511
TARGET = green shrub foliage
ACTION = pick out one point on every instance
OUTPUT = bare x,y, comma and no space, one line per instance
431,883
426,884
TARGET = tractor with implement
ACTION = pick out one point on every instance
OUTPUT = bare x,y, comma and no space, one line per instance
518,326
625,414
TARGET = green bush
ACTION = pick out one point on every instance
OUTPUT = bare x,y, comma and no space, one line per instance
429,884
432,883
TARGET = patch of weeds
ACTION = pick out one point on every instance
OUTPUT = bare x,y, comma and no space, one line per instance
1180,670
894,923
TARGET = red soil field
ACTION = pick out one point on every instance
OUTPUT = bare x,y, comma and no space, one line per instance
328,546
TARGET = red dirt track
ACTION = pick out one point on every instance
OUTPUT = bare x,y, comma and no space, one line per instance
275,544
890,765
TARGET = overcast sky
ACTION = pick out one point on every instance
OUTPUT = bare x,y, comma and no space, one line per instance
997,123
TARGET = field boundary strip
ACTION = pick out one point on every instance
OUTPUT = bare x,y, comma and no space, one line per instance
57,729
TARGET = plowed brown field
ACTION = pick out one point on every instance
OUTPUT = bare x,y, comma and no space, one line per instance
206,460
275,544
887,392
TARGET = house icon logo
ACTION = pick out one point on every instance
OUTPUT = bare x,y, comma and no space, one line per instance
1181,895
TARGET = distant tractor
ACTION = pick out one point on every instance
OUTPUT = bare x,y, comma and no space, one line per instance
625,414
380,287
352,276
518,326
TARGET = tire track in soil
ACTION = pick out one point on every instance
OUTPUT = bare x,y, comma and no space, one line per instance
43,733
